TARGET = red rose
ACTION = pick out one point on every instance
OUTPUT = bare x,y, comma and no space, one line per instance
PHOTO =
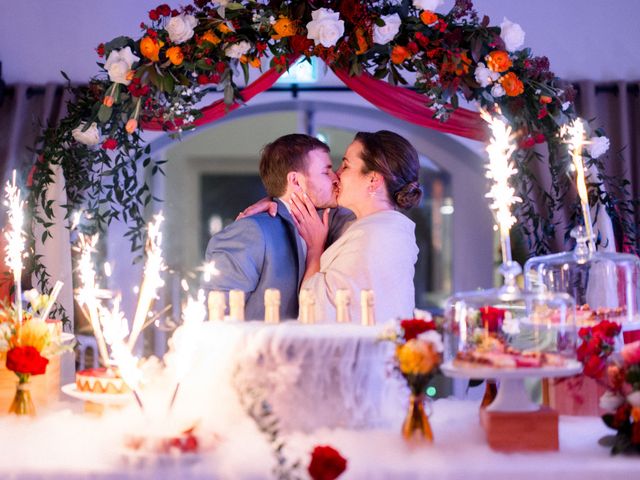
164,10
154,15
110,144
492,318
26,360
540,138
594,367
221,67
100,50
203,79
415,326
609,329
413,47
326,463
300,44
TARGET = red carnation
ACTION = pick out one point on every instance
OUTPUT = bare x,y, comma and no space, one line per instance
413,47
154,15
326,463
110,144
492,318
26,360
164,10
422,39
415,326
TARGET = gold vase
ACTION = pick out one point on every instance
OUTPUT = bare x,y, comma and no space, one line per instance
416,424
22,403
490,392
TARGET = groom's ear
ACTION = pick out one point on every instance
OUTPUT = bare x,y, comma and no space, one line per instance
293,178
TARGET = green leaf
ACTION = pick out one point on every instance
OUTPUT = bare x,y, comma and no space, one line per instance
117,43
104,114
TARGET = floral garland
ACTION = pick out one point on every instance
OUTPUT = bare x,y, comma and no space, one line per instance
183,54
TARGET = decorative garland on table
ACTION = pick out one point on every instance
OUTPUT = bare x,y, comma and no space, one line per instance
157,81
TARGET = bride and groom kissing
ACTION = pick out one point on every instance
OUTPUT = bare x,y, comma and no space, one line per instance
357,240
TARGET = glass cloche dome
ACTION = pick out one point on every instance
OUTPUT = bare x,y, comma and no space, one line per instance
508,328
603,284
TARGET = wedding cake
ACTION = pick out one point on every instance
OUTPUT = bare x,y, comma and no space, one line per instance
312,376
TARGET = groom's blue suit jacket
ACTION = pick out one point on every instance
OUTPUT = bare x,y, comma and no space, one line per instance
260,252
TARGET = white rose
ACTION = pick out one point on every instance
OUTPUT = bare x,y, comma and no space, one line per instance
91,136
427,4
325,28
610,401
634,399
598,146
511,34
119,64
236,50
485,76
180,28
383,35
497,90
434,338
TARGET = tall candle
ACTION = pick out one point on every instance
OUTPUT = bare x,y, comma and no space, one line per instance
343,299
236,305
272,305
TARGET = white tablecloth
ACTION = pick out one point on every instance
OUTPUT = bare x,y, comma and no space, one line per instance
63,443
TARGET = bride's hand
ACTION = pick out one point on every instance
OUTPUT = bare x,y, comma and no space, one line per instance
313,229
263,205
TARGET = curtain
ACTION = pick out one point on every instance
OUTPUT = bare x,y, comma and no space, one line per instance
616,107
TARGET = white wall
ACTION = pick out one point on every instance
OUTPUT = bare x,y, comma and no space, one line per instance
584,39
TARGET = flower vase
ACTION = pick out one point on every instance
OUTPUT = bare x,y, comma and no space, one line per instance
22,403
416,424
490,392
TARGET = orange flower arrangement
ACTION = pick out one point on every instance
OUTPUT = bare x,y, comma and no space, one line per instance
512,84
150,48
399,54
284,27
175,55
428,17
498,61
457,64
210,37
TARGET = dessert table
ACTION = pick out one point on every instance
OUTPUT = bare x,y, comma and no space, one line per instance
64,443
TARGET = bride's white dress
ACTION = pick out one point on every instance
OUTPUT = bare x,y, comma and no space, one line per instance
377,252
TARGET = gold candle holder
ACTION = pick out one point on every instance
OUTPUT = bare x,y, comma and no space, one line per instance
343,299
272,305
217,304
236,305
367,310
307,302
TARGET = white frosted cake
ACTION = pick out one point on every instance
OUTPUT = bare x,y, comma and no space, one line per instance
312,376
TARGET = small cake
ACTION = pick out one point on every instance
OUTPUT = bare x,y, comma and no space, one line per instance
101,381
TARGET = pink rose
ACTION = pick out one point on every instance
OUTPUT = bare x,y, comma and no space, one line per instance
631,353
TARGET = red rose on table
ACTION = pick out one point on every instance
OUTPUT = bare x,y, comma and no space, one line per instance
26,360
415,326
326,463
492,318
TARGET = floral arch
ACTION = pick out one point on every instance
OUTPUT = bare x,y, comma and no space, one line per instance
159,81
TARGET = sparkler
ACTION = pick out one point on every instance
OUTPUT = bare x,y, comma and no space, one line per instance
576,133
152,280
185,339
52,299
500,170
15,239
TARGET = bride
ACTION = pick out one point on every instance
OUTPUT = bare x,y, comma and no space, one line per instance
377,178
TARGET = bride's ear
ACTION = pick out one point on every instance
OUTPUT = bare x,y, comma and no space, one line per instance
376,180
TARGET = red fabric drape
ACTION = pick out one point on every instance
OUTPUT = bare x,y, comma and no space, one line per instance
410,106
218,109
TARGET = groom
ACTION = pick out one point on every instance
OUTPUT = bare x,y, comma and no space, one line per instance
263,251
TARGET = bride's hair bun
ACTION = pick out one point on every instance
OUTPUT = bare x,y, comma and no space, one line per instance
408,196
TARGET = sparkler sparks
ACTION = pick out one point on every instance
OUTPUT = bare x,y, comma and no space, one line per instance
15,239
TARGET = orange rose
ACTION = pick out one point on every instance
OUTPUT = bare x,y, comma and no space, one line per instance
498,61
131,125
255,62
544,99
284,28
175,55
428,17
223,28
399,54
511,84
363,45
150,48
210,37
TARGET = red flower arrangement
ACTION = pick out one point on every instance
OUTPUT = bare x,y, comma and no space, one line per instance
492,318
326,463
597,345
413,327
26,361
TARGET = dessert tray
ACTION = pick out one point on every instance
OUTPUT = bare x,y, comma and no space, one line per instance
71,389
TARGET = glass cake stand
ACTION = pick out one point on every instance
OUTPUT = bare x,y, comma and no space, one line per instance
507,334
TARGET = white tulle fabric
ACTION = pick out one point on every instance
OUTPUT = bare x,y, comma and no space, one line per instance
313,376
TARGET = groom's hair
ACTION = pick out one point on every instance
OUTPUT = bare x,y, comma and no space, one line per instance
286,154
